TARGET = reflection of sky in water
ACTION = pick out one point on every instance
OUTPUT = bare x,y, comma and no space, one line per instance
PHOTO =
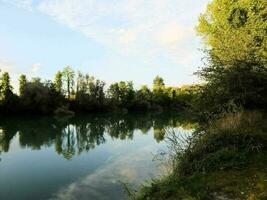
131,165
41,172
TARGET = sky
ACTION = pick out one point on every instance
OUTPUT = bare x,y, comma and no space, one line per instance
113,40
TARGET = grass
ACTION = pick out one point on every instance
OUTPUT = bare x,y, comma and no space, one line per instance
223,160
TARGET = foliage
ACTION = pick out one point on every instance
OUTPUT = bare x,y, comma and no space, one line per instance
68,77
6,88
59,82
223,160
236,69
243,85
235,30
38,97
22,84
8,100
90,95
122,93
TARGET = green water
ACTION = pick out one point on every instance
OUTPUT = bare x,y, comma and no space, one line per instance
85,157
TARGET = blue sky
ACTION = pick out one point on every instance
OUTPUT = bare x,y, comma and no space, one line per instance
110,39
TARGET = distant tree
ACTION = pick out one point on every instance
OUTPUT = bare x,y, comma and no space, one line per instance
144,93
58,81
22,84
80,83
97,90
6,88
143,98
68,76
160,94
90,93
36,80
122,92
0,87
158,83
41,97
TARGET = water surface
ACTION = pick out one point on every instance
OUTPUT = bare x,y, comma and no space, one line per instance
85,157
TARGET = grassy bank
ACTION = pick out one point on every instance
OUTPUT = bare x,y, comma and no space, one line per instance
224,160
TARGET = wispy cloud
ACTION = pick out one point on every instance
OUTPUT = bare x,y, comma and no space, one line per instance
142,29
26,4
105,183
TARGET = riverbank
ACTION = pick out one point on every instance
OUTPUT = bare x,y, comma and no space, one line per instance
224,160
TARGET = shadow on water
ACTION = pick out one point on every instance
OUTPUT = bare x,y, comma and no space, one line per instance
72,136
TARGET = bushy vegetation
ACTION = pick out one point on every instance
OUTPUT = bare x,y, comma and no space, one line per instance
72,92
224,160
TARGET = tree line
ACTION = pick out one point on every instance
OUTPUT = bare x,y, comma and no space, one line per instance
71,92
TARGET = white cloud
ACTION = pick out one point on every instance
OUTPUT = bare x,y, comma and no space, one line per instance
35,68
173,34
141,28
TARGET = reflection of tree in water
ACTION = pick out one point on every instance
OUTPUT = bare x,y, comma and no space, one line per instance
6,134
79,137
121,129
73,136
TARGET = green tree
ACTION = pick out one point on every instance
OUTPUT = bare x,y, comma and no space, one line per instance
39,97
58,81
122,92
80,83
36,80
22,84
160,94
236,71
6,88
90,93
158,83
144,93
235,30
68,76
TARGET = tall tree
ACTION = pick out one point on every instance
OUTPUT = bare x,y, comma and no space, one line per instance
122,92
22,84
6,88
80,83
68,75
58,81
158,83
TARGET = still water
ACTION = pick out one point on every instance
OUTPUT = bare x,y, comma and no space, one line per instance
83,158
